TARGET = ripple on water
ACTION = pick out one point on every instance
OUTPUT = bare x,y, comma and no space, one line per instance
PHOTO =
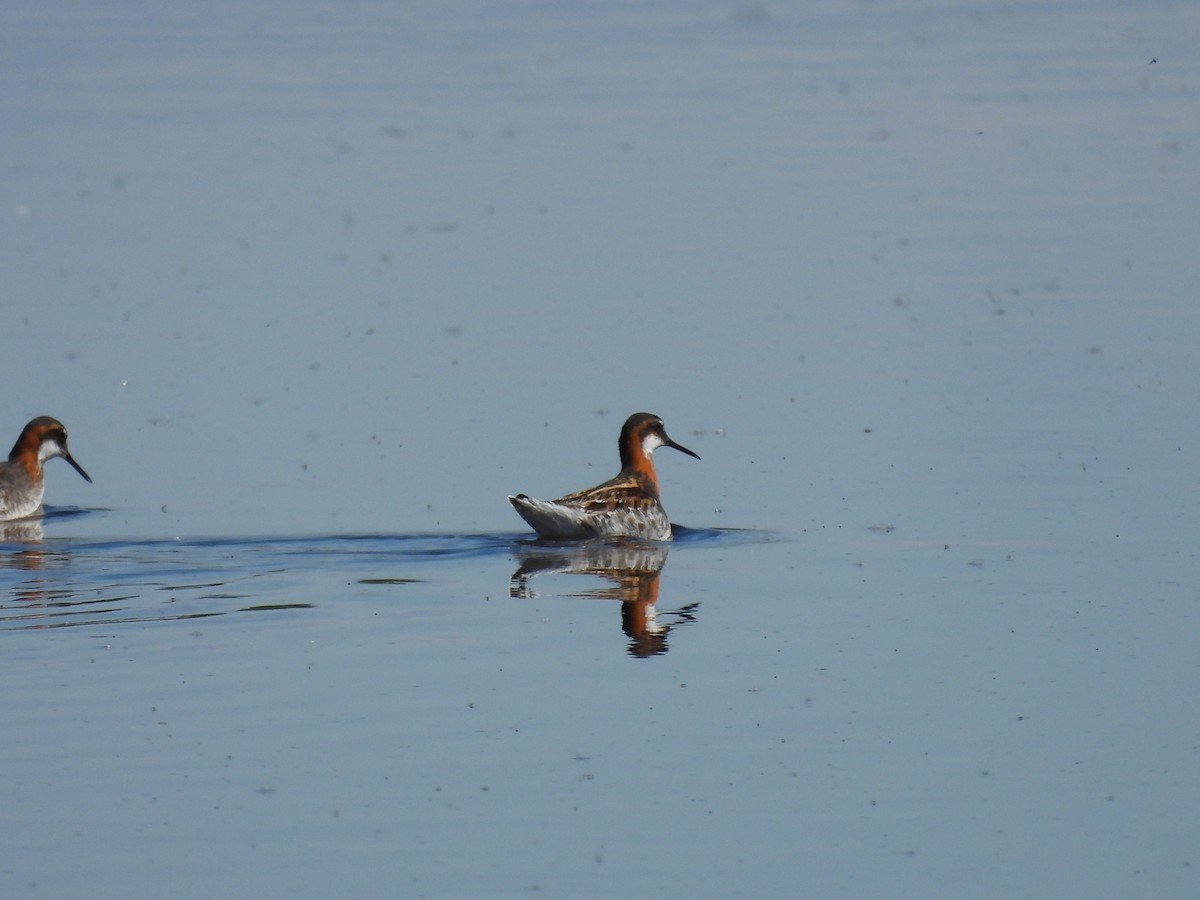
61,582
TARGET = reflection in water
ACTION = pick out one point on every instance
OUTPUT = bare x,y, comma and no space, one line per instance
31,530
59,589
63,582
22,531
632,569
56,581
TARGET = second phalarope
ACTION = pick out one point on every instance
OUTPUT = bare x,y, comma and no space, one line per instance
21,484
627,505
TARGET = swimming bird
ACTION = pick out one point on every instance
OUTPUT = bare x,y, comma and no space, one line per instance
21,484
626,505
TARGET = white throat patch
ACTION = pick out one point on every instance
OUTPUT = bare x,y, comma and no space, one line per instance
652,442
50,450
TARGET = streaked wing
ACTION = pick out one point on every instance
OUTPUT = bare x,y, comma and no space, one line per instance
622,492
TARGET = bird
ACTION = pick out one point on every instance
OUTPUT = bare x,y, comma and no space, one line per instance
626,505
21,483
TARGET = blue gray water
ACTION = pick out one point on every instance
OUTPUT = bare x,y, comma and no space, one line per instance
314,286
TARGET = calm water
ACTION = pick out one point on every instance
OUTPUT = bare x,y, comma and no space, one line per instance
314,287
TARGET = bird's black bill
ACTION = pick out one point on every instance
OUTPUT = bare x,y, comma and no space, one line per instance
86,477
682,449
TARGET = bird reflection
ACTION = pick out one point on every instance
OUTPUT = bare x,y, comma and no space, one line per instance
26,602
632,569
22,531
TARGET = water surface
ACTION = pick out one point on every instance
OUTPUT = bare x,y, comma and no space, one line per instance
314,288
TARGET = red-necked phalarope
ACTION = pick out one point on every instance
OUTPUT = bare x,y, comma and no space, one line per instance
626,505
21,484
